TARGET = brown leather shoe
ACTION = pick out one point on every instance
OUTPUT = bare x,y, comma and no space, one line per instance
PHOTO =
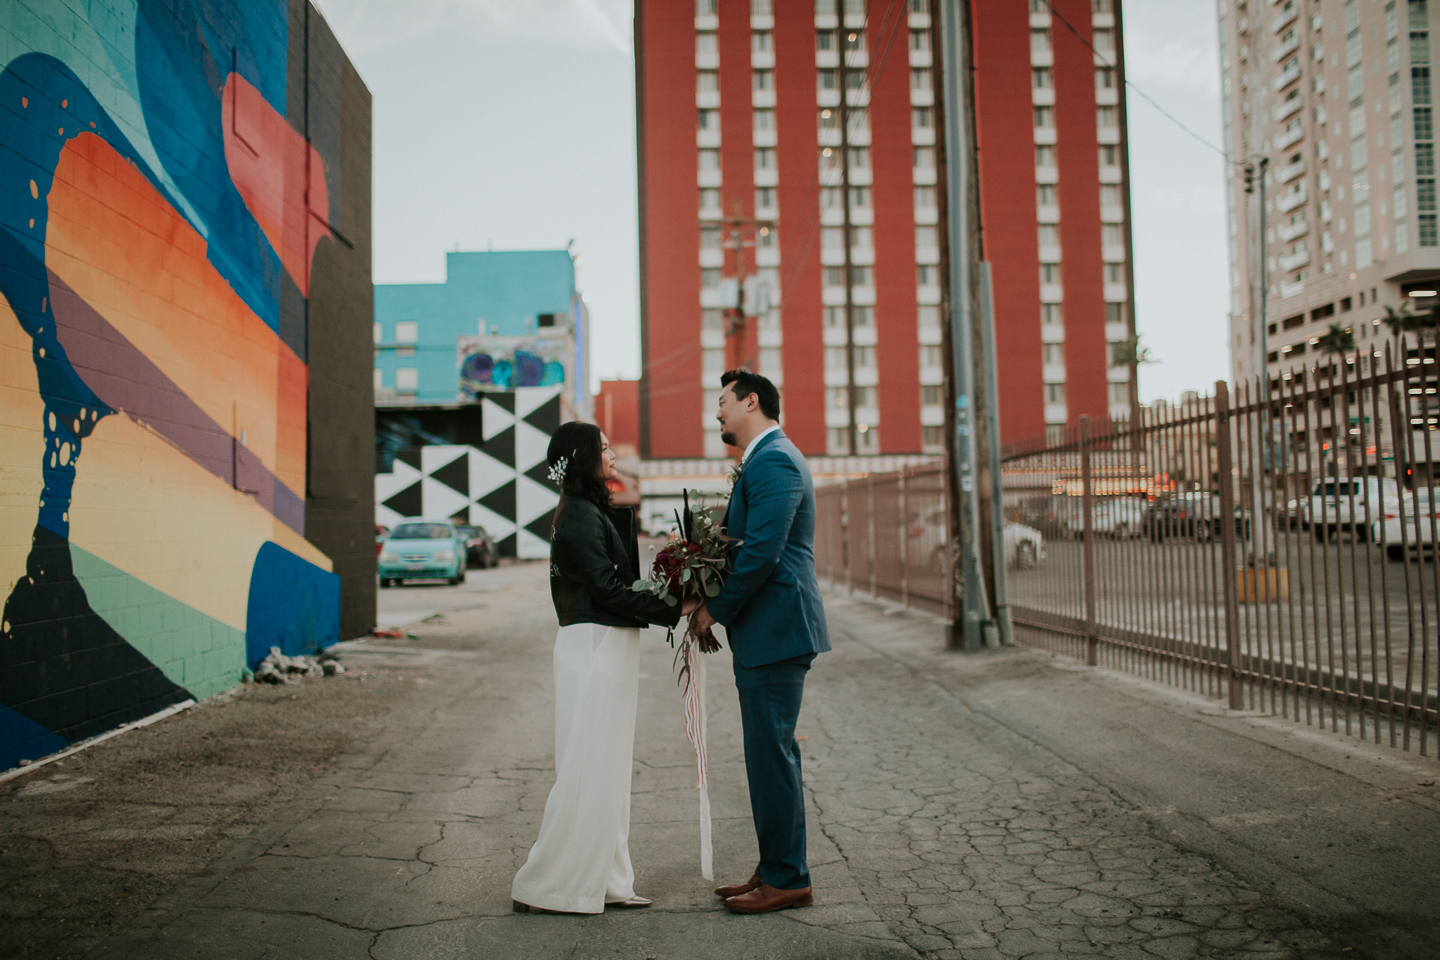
766,899
736,889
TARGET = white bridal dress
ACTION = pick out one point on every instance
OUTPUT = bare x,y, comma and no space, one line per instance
581,860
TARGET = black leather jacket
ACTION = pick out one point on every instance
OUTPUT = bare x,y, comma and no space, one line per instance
594,559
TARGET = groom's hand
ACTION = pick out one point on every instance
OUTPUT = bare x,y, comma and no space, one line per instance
701,621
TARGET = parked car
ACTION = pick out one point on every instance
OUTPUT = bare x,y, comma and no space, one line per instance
1421,518
420,548
1336,505
1191,515
381,532
480,548
1024,546
1119,518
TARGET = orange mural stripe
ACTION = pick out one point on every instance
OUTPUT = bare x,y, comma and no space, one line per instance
121,246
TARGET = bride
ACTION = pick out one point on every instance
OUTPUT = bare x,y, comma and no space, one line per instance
581,861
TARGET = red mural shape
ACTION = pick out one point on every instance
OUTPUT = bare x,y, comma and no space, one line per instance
280,177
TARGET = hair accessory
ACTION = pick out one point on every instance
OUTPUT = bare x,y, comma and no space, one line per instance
557,472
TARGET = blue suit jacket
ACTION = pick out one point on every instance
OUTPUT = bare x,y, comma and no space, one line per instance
770,603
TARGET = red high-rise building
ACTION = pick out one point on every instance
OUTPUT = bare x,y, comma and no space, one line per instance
796,143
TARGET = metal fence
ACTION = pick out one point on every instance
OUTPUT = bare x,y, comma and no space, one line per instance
1271,551
885,534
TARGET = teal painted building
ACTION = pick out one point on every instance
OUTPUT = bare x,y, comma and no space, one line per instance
510,319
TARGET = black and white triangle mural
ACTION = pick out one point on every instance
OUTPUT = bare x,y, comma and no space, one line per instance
500,485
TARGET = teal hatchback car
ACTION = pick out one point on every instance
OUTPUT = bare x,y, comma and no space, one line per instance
423,549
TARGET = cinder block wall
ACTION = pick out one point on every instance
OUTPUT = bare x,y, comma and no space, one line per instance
185,395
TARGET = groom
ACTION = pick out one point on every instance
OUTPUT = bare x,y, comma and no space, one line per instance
770,607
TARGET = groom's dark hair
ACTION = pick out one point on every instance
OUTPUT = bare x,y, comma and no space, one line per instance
742,383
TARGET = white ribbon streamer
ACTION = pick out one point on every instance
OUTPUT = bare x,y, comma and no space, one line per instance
695,726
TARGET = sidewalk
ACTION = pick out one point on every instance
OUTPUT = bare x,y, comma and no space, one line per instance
1006,804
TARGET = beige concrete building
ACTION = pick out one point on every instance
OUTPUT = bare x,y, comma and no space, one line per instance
1335,96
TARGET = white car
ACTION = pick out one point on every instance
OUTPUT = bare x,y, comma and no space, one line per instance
1119,518
1024,546
1421,521
1331,502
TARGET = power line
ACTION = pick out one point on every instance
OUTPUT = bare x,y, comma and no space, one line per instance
1141,93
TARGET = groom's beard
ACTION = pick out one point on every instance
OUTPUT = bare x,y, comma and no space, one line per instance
727,437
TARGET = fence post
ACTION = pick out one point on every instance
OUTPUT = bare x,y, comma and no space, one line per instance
904,526
845,532
1225,462
1087,548
870,528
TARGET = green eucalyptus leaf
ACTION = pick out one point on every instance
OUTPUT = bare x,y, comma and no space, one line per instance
640,586
712,589
669,600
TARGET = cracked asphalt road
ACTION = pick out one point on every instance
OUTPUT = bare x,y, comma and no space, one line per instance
1006,804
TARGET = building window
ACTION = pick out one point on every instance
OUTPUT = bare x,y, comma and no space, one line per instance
862,277
705,44
1054,393
834,276
922,118
1114,273
924,197
1425,222
1049,273
379,379
1045,195
710,238
1039,41
930,355
862,316
825,40
1049,235
859,158
919,79
1109,195
832,238
764,198
1041,78
1109,155
763,41
767,238
927,275
709,159
1044,155
707,81
829,120
712,320
1050,314
1103,41
764,119
838,397
834,316
1054,354
831,198
709,199
1105,117
762,81
1119,393
929,318
835,358
932,436
924,158
704,8
1114,313
407,379
1044,116
932,395
859,197
927,238
1112,233
708,119
406,331
920,41
710,278
379,333
1105,78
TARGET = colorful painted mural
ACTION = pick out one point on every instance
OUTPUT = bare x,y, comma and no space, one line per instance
162,201
502,364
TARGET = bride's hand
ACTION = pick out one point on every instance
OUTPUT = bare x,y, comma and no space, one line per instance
689,605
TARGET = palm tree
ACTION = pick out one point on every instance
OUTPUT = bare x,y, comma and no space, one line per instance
1399,321
1337,340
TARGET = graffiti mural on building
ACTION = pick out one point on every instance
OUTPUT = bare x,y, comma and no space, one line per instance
501,364
162,205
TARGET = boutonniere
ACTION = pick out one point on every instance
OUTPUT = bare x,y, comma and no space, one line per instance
735,474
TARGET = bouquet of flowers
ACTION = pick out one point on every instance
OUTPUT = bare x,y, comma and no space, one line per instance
693,564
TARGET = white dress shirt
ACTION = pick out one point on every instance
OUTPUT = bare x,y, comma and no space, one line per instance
751,447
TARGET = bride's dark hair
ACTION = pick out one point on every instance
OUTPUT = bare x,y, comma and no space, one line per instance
579,443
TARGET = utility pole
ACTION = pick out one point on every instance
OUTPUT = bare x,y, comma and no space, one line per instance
962,244
738,341
847,41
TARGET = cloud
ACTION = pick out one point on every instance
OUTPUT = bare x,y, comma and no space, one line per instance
366,26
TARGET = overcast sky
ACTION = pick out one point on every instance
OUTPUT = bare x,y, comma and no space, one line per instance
510,124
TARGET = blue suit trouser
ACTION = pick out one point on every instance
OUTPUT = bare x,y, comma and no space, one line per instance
770,698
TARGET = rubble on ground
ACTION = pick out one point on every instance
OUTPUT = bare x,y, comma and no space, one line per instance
278,668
